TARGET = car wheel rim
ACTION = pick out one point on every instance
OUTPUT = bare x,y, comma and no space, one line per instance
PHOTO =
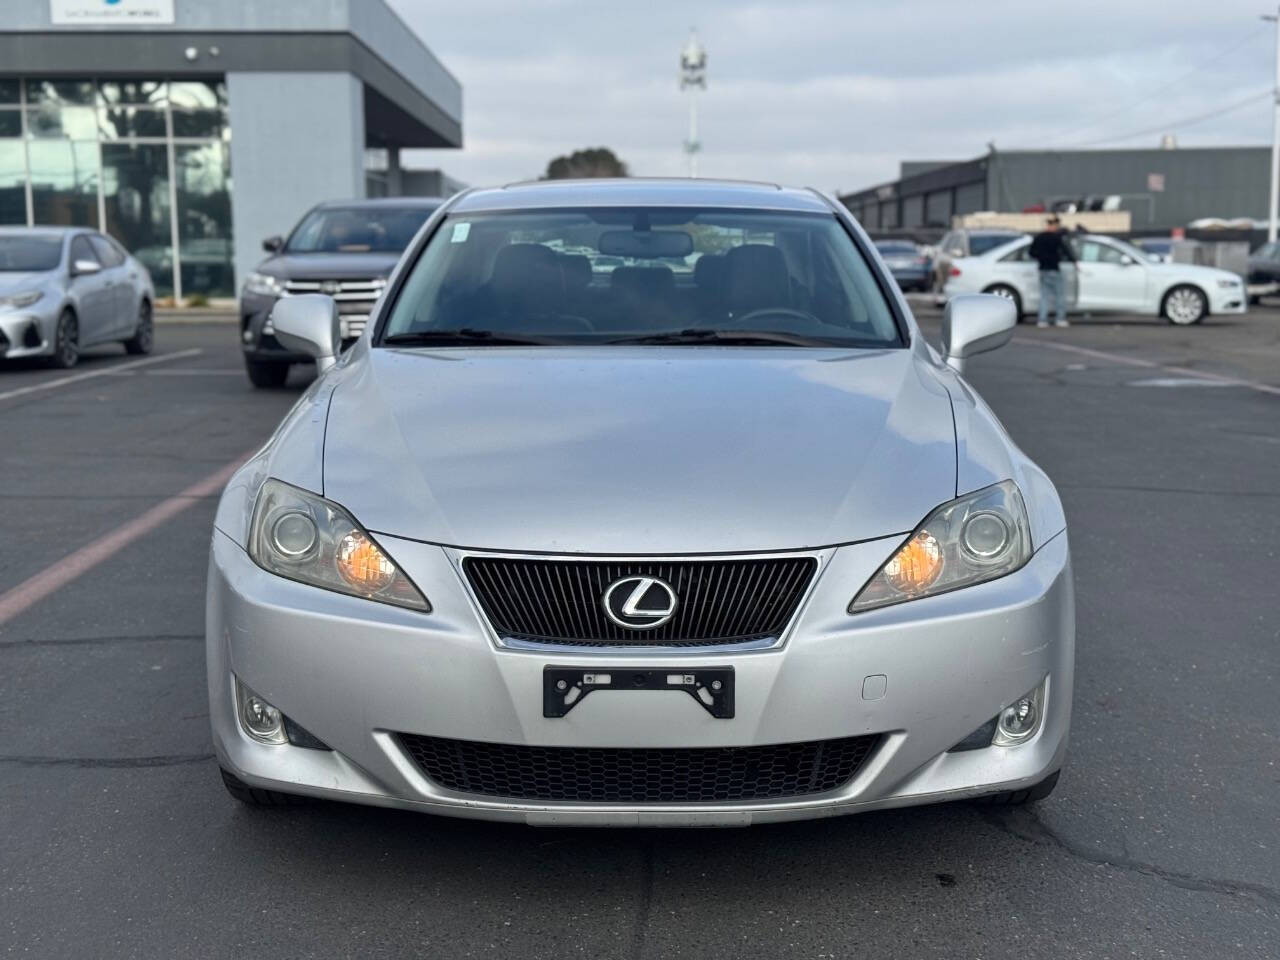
1185,306
1003,292
67,336
144,328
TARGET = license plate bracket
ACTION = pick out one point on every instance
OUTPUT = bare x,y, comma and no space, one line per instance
563,688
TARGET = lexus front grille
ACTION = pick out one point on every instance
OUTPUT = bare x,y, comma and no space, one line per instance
716,601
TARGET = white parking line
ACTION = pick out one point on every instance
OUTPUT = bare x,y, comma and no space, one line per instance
105,371
1152,365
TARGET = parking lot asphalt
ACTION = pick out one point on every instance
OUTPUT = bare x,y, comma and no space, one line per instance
1163,838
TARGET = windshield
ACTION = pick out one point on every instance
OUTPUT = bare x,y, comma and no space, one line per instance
1157,246
357,230
30,254
619,273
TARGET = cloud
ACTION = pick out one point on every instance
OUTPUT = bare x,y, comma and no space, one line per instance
835,94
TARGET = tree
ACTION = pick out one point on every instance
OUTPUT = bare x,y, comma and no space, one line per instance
591,162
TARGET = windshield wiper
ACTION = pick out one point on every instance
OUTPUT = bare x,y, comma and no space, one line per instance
464,336
727,337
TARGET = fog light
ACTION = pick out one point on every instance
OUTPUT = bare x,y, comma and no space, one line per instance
1020,719
259,718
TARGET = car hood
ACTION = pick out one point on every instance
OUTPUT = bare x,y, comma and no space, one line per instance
16,282
323,266
645,450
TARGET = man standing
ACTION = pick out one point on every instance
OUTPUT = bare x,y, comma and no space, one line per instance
1049,249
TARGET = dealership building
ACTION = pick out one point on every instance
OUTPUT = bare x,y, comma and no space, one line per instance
1162,188
190,130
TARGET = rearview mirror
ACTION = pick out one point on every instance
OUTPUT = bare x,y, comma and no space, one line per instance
974,323
273,244
646,244
308,324
83,268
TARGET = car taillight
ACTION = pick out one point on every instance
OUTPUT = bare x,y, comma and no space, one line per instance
955,271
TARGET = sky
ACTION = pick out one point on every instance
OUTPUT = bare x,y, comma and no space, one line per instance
835,95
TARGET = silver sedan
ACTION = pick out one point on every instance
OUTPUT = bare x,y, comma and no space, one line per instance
63,289
640,502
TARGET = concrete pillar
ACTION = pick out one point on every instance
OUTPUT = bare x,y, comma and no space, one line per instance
297,139
395,181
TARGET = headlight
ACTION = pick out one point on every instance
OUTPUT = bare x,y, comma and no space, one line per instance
21,299
264,285
978,537
1227,283
303,537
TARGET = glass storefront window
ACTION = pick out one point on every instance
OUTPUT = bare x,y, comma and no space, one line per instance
127,122
148,93
200,123
13,182
115,153
64,182
60,91
193,94
203,182
54,121
135,187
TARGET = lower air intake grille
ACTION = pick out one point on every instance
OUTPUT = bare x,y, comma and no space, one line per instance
648,775
561,601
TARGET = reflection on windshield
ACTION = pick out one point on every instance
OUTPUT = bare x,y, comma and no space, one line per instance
644,274
357,230
30,254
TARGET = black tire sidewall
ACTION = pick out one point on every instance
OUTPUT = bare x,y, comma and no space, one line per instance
266,374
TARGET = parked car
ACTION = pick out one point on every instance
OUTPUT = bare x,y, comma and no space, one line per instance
1157,249
967,243
345,250
559,544
908,264
1264,271
64,288
1116,278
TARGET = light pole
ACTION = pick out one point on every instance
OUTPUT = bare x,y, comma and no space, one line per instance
1275,137
693,76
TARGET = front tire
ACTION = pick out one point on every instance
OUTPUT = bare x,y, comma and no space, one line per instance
66,342
1185,305
143,339
1006,291
255,797
266,374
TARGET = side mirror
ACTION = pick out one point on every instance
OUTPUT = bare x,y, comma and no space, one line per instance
308,324
84,268
273,244
1126,260
974,323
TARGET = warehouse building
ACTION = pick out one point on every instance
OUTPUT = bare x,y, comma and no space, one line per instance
131,116
1161,188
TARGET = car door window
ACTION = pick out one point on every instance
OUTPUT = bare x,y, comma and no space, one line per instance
1093,252
82,250
107,253
1021,255
953,245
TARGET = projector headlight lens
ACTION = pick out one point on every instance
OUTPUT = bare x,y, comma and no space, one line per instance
304,537
975,538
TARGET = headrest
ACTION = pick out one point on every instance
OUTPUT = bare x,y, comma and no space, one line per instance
756,276
527,272
576,269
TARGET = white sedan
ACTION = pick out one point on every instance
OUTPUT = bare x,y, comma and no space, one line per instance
1116,277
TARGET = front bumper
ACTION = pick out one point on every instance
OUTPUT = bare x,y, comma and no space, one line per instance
354,673
1227,300
27,332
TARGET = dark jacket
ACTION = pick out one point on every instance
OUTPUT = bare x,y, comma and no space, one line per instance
1049,249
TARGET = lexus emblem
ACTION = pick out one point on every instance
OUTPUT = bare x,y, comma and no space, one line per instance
640,603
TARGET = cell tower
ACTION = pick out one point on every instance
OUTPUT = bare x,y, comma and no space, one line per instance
693,77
